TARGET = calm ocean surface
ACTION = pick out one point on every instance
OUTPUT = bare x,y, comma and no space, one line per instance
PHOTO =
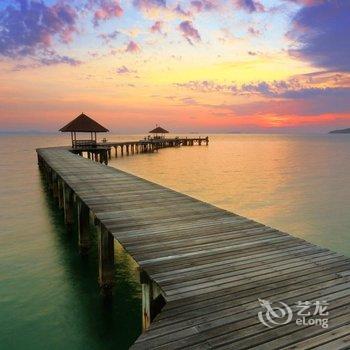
49,297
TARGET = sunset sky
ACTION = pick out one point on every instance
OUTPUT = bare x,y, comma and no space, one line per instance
201,65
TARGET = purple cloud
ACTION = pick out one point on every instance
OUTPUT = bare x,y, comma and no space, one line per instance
249,5
189,32
133,47
253,31
107,9
204,5
207,86
189,101
157,27
309,93
125,70
281,97
322,31
307,2
51,58
58,59
30,27
178,10
149,4
108,37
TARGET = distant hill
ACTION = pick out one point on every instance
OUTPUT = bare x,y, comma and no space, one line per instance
342,131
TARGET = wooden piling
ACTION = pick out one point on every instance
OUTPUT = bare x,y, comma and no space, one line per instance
146,305
152,300
68,202
83,227
106,258
54,185
49,178
60,189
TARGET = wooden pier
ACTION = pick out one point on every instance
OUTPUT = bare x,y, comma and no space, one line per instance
205,268
152,144
102,152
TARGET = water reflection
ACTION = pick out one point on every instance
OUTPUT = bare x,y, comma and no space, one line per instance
297,183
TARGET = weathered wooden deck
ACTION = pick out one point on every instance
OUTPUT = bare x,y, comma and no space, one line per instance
211,265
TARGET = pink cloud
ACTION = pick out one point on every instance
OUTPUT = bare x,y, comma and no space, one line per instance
125,70
308,2
157,27
253,31
204,5
189,32
108,9
249,5
178,10
133,47
149,4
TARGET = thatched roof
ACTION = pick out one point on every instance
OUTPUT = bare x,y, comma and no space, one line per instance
159,130
83,123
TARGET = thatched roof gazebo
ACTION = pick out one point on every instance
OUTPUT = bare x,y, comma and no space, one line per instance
158,130
85,124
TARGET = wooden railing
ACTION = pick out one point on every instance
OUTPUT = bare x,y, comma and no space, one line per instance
84,143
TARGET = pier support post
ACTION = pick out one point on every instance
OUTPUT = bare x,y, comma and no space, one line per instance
40,162
146,305
49,177
68,203
152,300
83,227
106,258
60,188
54,185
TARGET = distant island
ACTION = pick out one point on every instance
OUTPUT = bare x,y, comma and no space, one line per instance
342,131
